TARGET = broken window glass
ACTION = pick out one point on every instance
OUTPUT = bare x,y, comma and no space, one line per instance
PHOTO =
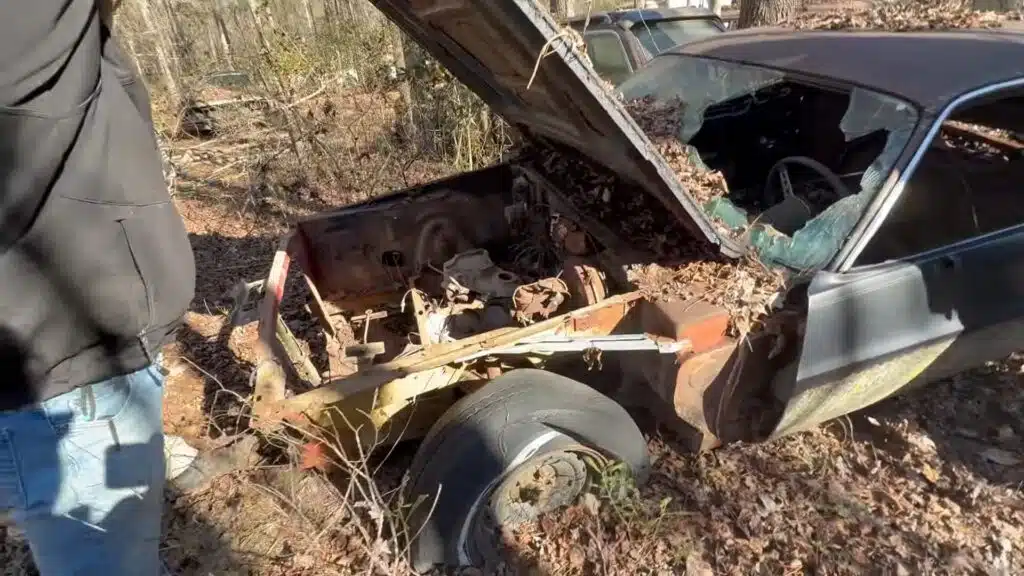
802,159
976,166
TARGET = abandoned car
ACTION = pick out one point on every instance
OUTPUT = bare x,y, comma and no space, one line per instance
867,214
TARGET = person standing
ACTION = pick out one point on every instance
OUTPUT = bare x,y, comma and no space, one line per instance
96,272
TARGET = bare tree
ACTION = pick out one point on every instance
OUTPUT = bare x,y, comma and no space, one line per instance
561,8
161,45
223,35
308,11
766,12
403,62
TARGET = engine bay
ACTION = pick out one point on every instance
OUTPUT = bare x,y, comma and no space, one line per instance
479,252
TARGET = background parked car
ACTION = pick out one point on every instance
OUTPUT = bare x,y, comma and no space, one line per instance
621,41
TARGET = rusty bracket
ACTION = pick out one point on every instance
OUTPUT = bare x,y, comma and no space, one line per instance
419,310
366,318
243,311
365,353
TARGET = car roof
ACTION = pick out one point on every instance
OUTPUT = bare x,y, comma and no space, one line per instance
929,69
635,16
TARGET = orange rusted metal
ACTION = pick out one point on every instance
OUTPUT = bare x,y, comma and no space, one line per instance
703,324
600,321
585,282
314,456
696,380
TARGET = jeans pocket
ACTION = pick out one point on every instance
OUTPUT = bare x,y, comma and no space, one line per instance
104,427
93,405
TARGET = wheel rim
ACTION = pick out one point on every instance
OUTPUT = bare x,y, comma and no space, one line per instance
540,485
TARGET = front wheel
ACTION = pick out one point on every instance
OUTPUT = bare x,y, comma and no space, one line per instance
506,454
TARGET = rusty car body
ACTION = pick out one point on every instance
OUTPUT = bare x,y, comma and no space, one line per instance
887,297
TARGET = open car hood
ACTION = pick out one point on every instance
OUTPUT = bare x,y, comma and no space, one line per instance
492,46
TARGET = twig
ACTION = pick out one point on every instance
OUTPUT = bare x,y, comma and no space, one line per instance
315,93
544,53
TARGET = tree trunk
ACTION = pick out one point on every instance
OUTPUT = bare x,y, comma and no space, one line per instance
402,62
766,12
181,43
310,22
225,38
213,42
160,45
559,8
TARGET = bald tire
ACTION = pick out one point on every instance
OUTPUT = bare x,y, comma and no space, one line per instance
482,437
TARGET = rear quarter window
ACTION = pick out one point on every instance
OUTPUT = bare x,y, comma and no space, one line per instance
608,56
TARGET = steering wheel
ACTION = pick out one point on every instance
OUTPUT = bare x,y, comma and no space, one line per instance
780,169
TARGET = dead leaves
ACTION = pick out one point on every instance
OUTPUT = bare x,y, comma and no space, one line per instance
902,16
661,121
745,288
599,536
539,300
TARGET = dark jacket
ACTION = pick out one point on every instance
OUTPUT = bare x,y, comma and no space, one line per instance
96,269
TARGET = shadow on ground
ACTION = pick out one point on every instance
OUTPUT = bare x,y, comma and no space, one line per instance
972,420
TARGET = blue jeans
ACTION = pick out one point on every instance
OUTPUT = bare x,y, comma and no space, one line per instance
83,476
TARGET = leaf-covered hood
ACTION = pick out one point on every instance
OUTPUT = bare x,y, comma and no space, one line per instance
493,47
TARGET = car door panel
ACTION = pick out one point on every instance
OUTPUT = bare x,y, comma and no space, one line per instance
873,332
991,304
868,334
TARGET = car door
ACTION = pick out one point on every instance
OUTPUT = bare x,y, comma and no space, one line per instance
938,287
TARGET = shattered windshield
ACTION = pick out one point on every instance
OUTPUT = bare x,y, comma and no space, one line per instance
799,160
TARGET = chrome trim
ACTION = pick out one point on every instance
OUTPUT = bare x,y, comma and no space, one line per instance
897,189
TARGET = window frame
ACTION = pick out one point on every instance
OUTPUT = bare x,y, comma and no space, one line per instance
627,56
892,189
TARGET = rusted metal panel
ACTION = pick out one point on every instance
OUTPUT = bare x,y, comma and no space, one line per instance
601,318
600,321
585,282
364,255
706,384
703,324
